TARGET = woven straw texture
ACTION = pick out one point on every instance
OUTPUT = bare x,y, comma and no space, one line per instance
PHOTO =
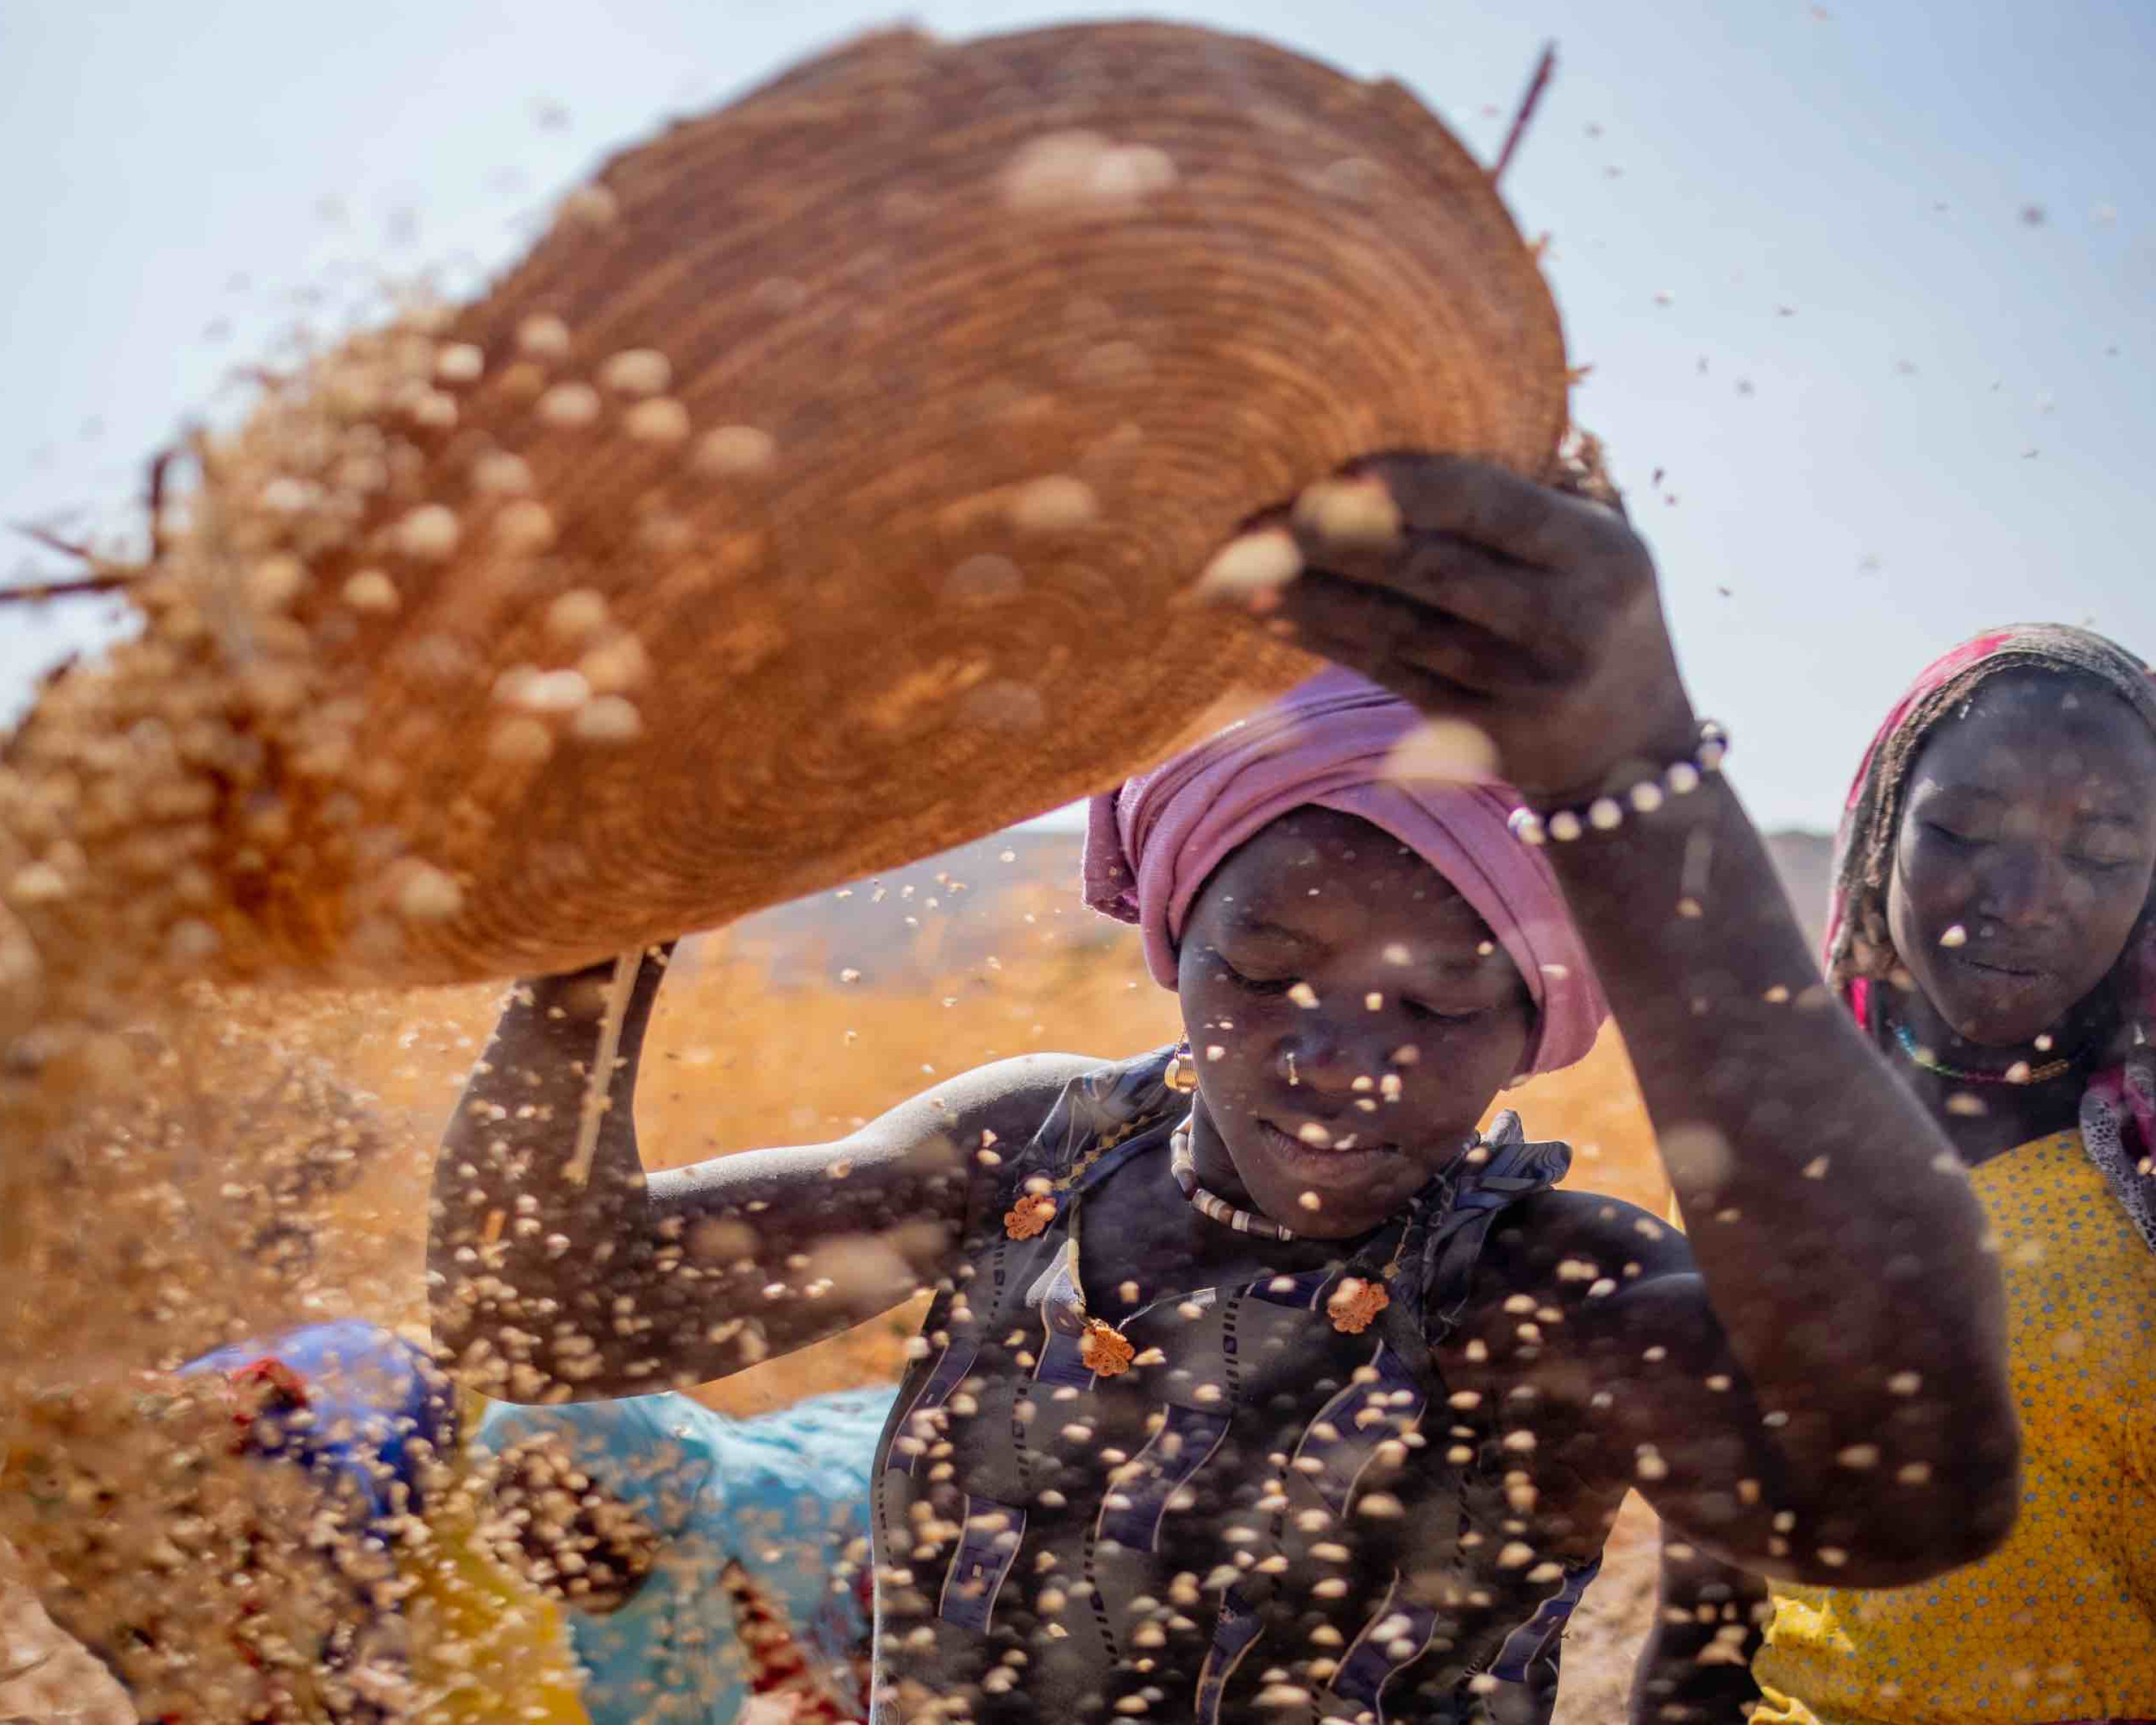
816,493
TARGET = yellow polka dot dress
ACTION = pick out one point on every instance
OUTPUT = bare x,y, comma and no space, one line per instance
2059,1623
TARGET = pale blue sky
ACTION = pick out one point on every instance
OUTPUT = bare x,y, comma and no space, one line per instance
1875,286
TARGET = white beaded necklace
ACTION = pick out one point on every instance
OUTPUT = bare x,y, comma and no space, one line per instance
1182,1164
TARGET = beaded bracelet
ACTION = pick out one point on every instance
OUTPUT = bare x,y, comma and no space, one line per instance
1679,778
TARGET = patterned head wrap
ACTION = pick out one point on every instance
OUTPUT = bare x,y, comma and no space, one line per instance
2118,1110
1332,743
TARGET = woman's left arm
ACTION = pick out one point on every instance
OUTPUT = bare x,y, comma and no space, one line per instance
1842,1250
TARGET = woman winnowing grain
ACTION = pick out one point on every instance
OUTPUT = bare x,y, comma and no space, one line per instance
1259,1382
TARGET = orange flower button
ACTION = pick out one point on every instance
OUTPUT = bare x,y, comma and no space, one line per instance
1030,1216
1355,1303
1104,1350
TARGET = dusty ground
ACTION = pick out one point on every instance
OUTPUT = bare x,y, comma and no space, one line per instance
50,1678
755,1044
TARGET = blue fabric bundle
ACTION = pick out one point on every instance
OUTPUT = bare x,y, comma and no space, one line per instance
375,1404
784,1494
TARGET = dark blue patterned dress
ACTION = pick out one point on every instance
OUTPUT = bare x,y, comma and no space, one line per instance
1263,1518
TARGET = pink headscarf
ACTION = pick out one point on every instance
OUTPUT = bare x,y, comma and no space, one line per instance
1151,845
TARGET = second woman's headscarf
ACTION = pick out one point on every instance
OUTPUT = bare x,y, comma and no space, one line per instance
1334,743
2118,1110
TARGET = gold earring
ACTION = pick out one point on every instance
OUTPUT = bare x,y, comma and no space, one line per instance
1182,1074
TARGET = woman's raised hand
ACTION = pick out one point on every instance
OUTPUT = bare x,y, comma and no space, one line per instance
1530,612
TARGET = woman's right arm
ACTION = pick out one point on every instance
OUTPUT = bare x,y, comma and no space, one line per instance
544,1290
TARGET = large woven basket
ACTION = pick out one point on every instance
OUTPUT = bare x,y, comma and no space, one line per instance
816,494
